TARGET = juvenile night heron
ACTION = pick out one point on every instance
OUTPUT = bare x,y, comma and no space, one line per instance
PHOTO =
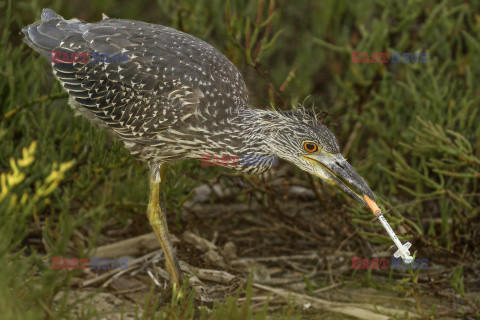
167,95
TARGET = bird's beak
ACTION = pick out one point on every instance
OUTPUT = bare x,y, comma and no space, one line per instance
336,170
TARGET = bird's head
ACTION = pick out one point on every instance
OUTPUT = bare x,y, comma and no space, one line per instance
300,139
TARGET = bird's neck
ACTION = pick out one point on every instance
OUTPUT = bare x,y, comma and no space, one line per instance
247,146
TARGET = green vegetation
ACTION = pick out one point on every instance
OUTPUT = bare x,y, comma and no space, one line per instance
411,129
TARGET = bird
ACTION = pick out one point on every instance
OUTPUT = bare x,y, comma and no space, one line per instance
168,96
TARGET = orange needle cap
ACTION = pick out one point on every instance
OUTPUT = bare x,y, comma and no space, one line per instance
372,205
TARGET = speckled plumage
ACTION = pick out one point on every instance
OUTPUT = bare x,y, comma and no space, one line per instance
174,97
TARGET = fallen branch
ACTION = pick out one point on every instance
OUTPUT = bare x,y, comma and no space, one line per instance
208,274
360,311
311,256
131,247
210,250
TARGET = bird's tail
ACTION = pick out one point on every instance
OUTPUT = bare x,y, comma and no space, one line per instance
45,35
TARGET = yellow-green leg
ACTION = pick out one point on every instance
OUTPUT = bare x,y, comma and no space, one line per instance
157,218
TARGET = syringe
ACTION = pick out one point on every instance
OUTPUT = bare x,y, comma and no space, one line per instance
402,249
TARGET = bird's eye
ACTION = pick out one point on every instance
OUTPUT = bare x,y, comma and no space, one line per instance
310,146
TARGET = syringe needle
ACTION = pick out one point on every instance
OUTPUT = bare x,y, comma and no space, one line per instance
402,249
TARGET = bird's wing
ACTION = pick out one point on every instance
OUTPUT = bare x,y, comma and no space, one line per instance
156,76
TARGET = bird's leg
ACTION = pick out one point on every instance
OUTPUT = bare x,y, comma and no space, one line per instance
157,217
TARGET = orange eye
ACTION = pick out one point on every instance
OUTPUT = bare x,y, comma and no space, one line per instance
310,147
